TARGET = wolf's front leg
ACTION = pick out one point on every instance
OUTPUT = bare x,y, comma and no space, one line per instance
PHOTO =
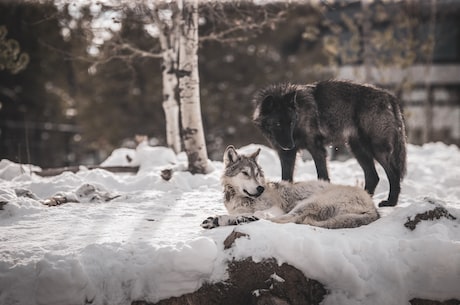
287,158
226,220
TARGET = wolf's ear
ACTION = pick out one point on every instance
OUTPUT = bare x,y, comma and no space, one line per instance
291,98
268,104
255,154
230,155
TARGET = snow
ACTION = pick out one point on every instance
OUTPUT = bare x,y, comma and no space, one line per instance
137,237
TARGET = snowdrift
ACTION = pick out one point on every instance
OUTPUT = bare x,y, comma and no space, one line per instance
126,237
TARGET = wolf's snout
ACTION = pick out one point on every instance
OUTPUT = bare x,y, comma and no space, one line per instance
286,144
260,189
286,148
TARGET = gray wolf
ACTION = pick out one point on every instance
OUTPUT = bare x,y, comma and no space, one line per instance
365,118
248,197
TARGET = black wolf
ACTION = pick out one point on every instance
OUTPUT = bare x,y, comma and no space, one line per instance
366,118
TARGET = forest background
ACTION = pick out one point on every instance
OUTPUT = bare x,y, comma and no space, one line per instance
86,77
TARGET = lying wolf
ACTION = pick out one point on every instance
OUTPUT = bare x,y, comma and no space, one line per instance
367,119
248,197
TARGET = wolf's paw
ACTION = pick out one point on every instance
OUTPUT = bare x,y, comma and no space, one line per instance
210,223
245,219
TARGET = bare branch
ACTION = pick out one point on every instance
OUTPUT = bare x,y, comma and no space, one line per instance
242,28
162,33
167,33
138,52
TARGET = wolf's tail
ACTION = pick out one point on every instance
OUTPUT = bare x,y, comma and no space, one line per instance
349,220
399,155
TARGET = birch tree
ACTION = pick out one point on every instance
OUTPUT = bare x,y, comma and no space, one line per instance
175,25
178,37
168,35
160,20
189,89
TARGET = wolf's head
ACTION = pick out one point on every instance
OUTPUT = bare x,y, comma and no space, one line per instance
243,173
276,115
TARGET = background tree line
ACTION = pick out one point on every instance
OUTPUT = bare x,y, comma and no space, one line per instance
94,77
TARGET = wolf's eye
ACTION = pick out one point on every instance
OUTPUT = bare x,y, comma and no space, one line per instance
245,173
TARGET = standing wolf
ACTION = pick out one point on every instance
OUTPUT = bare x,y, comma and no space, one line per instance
366,118
247,197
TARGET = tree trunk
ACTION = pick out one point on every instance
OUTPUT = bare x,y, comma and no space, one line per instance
169,42
429,105
189,89
170,105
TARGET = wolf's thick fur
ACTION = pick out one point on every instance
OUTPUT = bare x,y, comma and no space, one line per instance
247,197
366,118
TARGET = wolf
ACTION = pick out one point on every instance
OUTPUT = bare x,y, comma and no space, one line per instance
365,118
249,197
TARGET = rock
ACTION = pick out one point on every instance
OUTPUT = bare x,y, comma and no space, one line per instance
436,213
228,242
55,201
253,283
25,193
166,174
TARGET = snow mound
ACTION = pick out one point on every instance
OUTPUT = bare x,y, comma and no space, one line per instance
10,170
146,243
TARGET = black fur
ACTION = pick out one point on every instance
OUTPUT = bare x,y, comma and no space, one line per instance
366,118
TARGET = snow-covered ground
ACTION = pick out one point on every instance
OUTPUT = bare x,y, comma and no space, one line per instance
147,243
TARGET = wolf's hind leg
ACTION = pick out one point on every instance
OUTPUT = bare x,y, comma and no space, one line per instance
394,177
303,210
343,221
286,218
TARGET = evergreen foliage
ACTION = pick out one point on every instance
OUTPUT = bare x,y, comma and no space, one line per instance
11,58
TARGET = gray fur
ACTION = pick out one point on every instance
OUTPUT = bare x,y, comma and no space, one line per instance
318,203
366,118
